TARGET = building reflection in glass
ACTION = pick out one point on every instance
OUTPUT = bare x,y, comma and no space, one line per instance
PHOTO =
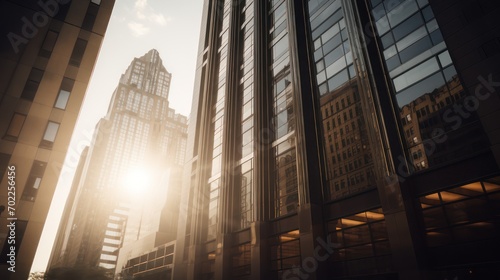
434,122
285,173
347,148
348,155
437,116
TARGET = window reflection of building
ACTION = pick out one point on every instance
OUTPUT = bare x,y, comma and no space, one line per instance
350,166
246,123
286,179
347,149
431,128
427,89
285,175
286,195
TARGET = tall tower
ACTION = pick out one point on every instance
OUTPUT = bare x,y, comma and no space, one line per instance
151,255
328,139
125,182
48,50
62,238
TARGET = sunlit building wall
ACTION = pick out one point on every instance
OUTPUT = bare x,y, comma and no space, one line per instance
48,50
326,141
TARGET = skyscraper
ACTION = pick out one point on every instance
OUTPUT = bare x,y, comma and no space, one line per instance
61,241
48,50
125,181
343,139
152,255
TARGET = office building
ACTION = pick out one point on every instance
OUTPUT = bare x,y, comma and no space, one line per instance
61,241
151,256
47,53
335,139
129,177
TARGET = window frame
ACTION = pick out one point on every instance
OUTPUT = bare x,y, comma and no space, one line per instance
9,128
47,141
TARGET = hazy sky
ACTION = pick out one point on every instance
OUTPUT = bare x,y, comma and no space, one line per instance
136,26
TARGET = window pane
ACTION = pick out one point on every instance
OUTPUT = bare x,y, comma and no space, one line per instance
32,83
51,132
397,15
382,25
357,235
280,47
90,16
49,43
427,85
407,26
387,40
445,59
62,99
36,184
338,80
416,74
33,183
412,38
16,124
415,49
77,55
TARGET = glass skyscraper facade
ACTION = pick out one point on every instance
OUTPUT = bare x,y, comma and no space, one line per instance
342,139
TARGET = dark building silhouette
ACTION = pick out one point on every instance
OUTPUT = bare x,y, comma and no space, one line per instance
48,50
335,139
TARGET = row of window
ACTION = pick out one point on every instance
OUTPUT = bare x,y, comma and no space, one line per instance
462,214
333,57
34,79
31,87
247,124
285,193
17,123
46,49
362,245
218,125
342,115
34,178
425,83
285,252
241,259
343,104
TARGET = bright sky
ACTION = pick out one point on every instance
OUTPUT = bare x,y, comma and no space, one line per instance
136,26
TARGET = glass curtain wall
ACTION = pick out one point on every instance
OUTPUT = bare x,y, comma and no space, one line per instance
347,152
361,238
247,104
285,173
218,123
436,115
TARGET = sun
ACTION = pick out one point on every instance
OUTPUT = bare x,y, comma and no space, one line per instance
137,181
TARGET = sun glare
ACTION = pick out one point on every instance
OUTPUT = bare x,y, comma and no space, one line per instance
137,181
